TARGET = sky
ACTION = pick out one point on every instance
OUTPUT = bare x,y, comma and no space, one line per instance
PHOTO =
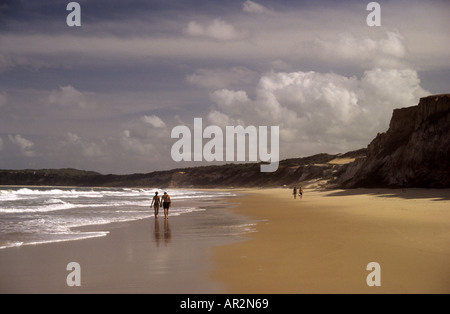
105,96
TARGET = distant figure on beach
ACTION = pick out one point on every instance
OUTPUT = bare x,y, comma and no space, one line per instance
156,202
295,192
166,204
300,192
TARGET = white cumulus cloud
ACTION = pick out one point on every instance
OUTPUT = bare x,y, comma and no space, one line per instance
145,137
320,112
139,146
67,96
87,148
231,102
154,121
26,146
386,51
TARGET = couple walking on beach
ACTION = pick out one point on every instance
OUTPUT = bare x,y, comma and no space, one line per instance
164,200
300,192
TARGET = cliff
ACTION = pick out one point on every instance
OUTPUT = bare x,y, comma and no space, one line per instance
414,152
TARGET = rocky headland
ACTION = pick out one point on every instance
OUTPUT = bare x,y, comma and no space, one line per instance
414,152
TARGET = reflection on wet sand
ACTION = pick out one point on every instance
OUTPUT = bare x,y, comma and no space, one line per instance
157,232
166,234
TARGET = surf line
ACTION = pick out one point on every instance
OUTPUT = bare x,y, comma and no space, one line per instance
214,149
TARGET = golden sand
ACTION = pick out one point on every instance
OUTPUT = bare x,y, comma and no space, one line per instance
341,161
324,242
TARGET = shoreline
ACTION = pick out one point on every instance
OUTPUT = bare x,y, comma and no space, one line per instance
318,244
71,200
149,255
324,242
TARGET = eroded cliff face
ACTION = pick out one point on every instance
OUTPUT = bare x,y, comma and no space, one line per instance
414,152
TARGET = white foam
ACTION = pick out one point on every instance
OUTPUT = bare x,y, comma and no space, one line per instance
44,215
42,209
11,244
75,237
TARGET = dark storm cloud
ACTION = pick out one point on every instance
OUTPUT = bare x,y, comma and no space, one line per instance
50,15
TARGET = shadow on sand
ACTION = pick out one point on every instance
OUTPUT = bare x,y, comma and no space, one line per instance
432,194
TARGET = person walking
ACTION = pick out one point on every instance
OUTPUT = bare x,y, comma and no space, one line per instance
156,202
166,204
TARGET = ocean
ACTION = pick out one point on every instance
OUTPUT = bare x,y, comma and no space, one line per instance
31,215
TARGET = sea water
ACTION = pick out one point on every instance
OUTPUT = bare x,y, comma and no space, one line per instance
30,215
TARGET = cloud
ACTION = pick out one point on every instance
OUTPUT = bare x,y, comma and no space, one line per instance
142,40
143,148
320,112
387,51
8,62
218,30
233,102
332,85
24,145
88,149
146,137
221,77
3,99
221,119
67,96
255,8
154,121
297,37
147,129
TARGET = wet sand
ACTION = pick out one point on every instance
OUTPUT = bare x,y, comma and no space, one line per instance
146,256
324,242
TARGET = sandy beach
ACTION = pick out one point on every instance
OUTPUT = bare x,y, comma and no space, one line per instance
145,256
324,242
319,244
